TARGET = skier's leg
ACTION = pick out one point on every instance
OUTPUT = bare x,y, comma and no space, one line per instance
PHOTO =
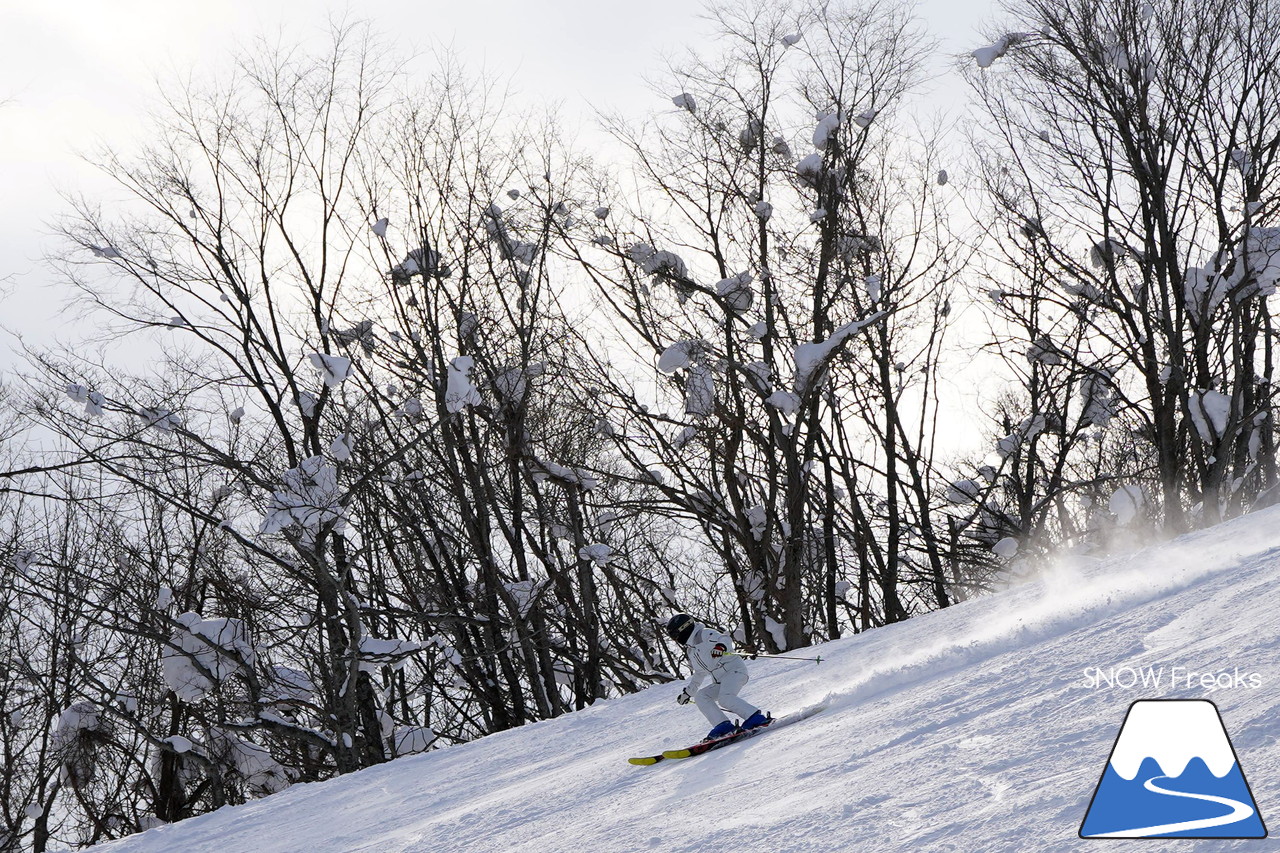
706,699
728,698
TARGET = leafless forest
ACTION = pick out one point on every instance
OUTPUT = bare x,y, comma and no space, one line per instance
443,416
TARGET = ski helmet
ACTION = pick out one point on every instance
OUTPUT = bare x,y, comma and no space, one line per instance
680,627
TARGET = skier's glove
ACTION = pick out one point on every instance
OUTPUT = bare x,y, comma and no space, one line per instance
719,650
684,698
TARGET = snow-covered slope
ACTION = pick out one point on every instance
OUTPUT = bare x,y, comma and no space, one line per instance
980,728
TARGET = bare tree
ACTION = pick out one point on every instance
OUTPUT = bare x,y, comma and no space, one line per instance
354,504
790,429
1130,160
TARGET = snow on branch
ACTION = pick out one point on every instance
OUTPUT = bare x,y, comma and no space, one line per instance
202,653
309,499
333,369
989,54
1210,412
543,470
460,391
736,292
162,419
811,358
93,401
375,653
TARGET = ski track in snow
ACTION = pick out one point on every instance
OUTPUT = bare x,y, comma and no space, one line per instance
971,729
1239,811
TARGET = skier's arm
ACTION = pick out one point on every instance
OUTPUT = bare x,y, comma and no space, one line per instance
706,656
699,666
719,644
695,681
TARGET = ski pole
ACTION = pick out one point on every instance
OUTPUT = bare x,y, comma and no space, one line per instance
754,655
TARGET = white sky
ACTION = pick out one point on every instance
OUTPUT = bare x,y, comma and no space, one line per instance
78,73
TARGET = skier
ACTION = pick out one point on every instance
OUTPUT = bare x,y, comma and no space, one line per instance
711,654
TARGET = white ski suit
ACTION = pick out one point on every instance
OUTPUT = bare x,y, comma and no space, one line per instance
710,656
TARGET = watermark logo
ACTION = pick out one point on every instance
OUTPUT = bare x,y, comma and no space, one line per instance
1172,678
1173,773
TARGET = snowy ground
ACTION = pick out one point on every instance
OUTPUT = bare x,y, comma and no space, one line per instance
980,728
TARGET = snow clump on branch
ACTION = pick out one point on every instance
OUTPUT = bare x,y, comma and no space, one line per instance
811,358
1125,503
677,356
989,54
599,553
309,499
162,419
460,391
92,400
736,292
827,126
202,653
333,369
658,263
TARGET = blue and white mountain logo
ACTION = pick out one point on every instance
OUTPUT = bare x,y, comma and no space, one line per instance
1173,774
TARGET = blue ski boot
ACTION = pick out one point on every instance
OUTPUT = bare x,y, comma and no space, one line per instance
756,720
721,730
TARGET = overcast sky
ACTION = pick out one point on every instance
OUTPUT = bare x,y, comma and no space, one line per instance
77,73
